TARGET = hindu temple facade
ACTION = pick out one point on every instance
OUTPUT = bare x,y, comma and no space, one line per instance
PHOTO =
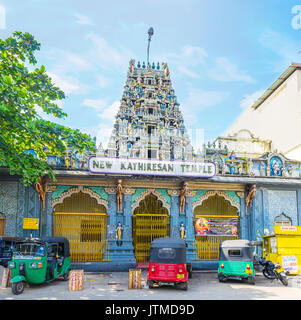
150,183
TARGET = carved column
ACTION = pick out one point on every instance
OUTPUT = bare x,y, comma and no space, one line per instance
47,215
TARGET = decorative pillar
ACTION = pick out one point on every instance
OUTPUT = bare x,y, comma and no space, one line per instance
28,207
243,217
189,227
112,206
299,206
47,216
174,213
121,254
21,209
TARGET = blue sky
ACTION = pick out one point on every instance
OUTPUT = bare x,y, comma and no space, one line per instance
222,54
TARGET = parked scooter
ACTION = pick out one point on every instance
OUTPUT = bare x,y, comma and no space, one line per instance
273,270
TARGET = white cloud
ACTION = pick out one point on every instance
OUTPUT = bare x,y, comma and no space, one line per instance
106,56
66,61
67,83
188,57
284,47
96,104
64,83
249,99
2,17
198,100
110,112
106,112
81,19
102,81
225,71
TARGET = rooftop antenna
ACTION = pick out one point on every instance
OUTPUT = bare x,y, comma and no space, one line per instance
150,33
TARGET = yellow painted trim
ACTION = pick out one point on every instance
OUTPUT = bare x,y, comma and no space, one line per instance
151,214
215,216
87,213
145,183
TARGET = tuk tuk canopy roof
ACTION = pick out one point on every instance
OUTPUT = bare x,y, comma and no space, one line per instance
168,242
240,250
235,243
61,240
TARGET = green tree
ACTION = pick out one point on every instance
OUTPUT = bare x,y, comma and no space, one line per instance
21,127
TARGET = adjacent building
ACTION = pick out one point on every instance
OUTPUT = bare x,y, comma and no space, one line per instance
276,115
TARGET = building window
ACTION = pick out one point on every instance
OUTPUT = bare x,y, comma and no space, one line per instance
151,154
150,110
150,129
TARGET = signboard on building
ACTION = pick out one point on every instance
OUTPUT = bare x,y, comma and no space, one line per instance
290,263
151,167
31,223
205,226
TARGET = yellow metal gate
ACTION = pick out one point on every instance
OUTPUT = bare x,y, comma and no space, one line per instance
146,228
207,247
86,233
83,222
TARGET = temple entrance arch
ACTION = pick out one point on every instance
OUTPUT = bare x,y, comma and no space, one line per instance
219,220
83,221
150,221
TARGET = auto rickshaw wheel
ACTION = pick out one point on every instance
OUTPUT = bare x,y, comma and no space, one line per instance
18,287
221,278
183,286
251,280
189,267
66,275
150,283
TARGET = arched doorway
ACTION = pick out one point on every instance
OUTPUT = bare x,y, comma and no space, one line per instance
222,221
150,221
83,221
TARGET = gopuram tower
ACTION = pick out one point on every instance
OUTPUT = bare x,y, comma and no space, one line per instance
149,123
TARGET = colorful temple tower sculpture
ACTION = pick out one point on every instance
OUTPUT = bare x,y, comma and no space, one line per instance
149,123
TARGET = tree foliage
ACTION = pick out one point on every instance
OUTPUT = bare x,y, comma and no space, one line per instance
22,92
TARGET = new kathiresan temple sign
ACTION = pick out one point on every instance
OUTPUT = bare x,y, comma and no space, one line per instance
151,167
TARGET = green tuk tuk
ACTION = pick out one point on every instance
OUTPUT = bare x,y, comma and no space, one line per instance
236,261
6,249
39,260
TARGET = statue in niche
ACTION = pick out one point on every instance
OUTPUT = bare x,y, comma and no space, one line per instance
182,231
283,171
119,230
183,194
250,196
132,65
240,168
119,190
276,167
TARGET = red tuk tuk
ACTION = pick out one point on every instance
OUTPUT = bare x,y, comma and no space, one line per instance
167,263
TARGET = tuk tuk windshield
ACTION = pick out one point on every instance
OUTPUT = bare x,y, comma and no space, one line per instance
30,249
167,253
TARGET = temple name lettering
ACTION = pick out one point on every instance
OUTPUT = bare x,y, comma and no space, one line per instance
115,165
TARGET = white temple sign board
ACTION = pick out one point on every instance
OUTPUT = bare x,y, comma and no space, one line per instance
151,167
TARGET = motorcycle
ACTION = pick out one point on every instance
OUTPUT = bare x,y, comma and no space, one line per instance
273,270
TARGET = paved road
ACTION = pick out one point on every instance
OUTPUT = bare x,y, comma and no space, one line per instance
202,286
